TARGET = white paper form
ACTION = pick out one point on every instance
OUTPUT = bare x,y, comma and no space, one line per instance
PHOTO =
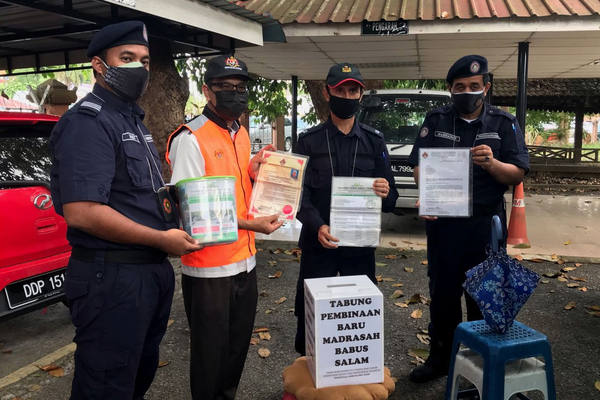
445,182
355,217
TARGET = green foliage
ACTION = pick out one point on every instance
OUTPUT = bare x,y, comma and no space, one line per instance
423,84
20,82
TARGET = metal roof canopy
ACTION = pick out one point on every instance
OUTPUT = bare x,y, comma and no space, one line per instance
560,47
46,33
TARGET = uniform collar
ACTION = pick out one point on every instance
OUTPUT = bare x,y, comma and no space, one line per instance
117,103
211,115
332,130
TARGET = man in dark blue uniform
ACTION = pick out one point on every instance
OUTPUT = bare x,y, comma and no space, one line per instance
107,182
454,245
352,149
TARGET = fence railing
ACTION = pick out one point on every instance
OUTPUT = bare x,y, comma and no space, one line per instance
546,153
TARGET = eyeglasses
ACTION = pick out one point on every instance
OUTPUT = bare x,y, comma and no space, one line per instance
226,86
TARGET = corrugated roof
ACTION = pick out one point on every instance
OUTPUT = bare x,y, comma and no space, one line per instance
323,11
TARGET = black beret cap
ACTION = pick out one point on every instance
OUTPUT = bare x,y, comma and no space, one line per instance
343,72
222,66
130,32
466,66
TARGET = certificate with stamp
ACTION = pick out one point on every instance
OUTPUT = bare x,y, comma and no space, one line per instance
355,217
445,182
278,185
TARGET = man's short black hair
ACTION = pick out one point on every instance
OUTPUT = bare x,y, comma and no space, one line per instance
102,56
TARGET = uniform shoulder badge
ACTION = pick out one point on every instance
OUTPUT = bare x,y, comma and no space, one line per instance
370,129
424,132
90,107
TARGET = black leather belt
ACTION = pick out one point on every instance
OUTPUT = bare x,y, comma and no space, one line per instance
133,256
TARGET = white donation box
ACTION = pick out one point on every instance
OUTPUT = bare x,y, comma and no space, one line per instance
344,330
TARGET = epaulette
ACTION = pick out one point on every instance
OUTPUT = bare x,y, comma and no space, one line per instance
90,107
311,130
441,110
370,129
496,111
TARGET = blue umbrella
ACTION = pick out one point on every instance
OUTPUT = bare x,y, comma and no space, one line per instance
500,285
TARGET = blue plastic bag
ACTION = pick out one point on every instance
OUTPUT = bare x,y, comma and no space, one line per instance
500,285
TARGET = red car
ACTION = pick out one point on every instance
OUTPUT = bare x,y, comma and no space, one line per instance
34,251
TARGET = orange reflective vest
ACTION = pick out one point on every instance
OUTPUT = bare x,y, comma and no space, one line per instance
223,156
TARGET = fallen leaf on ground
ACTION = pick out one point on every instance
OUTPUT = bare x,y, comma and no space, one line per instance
163,363
275,275
582,289
568,269
424,262
401,305
574,278
423,338
536,260
34,388
7,352
276,251
518,257
554,256
522,246
578,265
417,314
421,244
272,263
570,306
568,242
264,335
393,244
289,253
394,379
397,294
259,249
171,322
297,252
593,308
387,279
379,278
259,330
407,242
552,291
291,310
281,300
398,285
264,294
545,281
573,285
264,353
594,313
415,298
380,264
391,257
597,385
269,311
422,353
49,367
409,270
562,279
254,341
560,262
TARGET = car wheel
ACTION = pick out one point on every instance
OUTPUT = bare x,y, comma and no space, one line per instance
288,144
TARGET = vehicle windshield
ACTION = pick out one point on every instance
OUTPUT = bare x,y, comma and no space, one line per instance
24,154
397,116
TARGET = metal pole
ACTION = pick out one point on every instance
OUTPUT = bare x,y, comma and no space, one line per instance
522,84
579,117
294,112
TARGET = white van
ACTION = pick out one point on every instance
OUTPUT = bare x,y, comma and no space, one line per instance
398,115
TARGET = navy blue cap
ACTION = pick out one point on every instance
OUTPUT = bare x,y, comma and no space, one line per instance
467,66
222,66
343,72
130,32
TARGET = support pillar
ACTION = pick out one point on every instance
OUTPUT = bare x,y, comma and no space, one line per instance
294,112
578,144
522,69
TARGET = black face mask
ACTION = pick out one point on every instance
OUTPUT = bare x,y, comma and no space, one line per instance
231,104
128,81
343,108
468,102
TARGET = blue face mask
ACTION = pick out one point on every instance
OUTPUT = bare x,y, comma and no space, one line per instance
128,81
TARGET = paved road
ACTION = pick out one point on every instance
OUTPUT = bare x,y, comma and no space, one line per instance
574,335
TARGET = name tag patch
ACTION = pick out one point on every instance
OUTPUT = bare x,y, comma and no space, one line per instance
489,135
446,135
129,137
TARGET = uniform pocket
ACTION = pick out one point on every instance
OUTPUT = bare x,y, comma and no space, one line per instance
137,163
83,305
365,167
323,174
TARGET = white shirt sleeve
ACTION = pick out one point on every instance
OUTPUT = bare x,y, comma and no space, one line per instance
186,158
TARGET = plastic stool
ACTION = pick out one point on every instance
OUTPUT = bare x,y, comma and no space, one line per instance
520,376
495,375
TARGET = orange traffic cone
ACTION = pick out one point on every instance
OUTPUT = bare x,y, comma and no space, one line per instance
517,227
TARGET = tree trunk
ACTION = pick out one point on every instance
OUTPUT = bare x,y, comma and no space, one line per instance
165,99
321,106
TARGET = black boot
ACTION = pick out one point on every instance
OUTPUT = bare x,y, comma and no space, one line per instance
434,367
